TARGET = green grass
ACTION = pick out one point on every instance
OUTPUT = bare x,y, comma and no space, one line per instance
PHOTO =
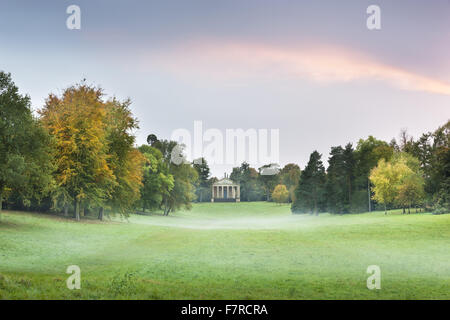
226,251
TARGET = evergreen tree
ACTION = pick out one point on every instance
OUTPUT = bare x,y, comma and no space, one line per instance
340,179
336,182
310,192
203,187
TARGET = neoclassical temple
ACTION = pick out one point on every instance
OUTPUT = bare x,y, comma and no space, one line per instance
225,190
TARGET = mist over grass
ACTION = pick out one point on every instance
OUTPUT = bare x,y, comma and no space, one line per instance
227,251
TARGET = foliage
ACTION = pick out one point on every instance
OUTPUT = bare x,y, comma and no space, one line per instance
250,185
157,181
310,192
124,159
340,179
280,194
25,150
184,175
290,176
95,159
203,185
269,177
397,180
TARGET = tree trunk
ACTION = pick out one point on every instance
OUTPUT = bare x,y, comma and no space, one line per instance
315,205
66,210
349,193
403,210
1,203
82,210
100,213
409,209
385,209
77,210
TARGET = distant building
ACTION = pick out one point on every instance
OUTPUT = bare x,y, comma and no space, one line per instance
225,190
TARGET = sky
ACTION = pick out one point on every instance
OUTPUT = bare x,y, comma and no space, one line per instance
311,69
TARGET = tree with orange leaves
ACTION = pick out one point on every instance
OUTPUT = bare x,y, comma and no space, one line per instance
77,121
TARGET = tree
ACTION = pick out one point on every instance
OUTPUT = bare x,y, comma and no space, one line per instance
433,151
340,179
336,182
280,194
387,178
125,161
25,166
310,191
184,175
250,186
290,176
411,185
183,192
157,181
366,156
203,187
411,190
77,122
269,178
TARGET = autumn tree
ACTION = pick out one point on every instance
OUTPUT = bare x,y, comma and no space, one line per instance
290,176
411,185
77,122
366,156
386,178
280,194
125,161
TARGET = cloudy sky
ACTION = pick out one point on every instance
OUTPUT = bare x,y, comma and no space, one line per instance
311,69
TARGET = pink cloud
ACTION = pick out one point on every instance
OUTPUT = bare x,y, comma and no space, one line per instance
233,61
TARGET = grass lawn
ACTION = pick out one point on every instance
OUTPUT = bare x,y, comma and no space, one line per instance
226,251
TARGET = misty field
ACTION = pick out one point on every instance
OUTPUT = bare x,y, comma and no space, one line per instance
226,251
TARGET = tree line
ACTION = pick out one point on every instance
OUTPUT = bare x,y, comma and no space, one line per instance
379,175
78,156
373,175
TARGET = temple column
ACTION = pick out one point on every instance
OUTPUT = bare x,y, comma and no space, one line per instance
238,193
